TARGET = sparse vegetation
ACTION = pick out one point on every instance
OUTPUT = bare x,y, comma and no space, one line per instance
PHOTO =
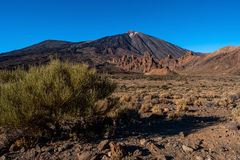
137,107
181,105
156,109
236,113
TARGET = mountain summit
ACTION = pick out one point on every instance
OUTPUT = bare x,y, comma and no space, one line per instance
136,43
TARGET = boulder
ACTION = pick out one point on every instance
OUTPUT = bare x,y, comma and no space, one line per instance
187,148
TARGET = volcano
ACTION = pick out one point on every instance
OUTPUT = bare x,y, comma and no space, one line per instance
100,53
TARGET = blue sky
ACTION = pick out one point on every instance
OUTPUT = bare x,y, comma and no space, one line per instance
199,25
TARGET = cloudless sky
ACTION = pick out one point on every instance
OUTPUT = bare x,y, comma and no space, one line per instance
199,25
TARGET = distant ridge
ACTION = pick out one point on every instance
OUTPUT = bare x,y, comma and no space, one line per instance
128,52
225,61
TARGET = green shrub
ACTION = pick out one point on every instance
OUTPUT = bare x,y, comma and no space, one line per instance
11,76
49,94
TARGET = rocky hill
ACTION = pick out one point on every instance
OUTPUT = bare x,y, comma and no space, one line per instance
222,62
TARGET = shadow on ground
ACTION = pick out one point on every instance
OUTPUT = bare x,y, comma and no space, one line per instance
156,125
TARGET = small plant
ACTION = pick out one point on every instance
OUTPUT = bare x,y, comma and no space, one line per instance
236,113
157,110
223,102
147,98
165,87
145,108
125,98
174,115
198,102
166,95
181,105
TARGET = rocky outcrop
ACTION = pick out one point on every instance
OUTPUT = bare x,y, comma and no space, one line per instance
161,72
133,63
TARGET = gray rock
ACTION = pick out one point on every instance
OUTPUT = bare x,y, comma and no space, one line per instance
187,148
181,134
38,149
64,147
47,149
209,157
14,148
22,149
155,101
3,158
29,154
107,134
